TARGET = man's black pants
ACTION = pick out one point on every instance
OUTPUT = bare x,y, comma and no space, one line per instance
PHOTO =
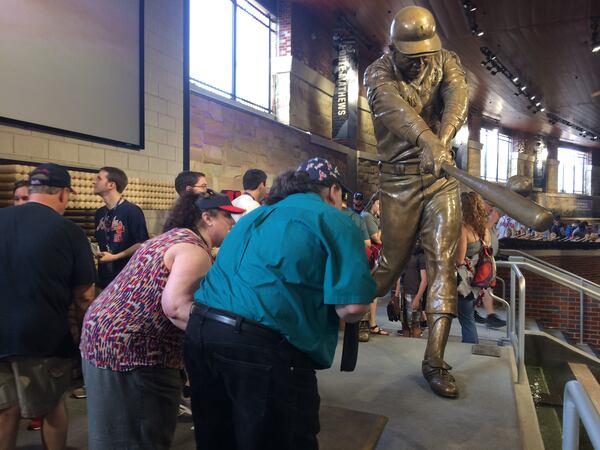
249,391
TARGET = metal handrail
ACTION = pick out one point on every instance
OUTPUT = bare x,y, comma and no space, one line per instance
558,275
511,253
517,338
577,405
509,324
563,278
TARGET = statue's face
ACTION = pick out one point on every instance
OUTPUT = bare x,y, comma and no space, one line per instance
410,67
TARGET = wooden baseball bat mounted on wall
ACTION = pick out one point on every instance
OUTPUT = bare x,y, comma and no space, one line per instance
519,208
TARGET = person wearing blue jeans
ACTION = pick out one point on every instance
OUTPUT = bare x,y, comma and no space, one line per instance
466,317
474,234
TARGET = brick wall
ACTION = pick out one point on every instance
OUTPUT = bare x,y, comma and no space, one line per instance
162,157
558,307
284,22
226,141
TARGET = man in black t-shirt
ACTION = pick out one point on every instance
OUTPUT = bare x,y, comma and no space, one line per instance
45,265
120,225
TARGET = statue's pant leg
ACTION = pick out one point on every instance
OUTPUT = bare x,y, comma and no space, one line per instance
401,207
440,231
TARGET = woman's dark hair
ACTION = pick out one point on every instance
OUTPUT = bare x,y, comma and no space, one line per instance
292,182
185,214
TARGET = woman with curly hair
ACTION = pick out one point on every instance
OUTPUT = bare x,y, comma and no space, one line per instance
474,234
133,333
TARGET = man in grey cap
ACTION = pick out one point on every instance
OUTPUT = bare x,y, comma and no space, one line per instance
45,264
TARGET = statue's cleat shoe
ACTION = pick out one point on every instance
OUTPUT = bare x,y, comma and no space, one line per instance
439,379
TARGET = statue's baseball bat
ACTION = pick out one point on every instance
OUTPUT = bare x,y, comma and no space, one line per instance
519,208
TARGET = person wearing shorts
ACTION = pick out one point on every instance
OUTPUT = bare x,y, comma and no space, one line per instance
46,265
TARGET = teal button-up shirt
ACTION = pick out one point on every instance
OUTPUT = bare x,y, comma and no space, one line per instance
286,266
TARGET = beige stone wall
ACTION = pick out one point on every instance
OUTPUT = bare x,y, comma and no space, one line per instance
162,157
226,140
304,100
366,141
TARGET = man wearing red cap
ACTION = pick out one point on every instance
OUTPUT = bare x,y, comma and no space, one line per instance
418,94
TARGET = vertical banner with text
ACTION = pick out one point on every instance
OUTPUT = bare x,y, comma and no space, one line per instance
345,96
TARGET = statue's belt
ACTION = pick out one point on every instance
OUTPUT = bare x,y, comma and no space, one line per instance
399,168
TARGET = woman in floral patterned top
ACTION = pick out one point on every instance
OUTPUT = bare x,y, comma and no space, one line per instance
132,337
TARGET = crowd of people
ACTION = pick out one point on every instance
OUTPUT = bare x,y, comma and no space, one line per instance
251,334
242,333
559,231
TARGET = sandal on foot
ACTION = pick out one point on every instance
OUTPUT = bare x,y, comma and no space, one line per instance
376,329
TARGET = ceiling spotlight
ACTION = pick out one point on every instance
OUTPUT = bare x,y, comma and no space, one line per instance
538,103
595,26
473,8
595,138
542,109
523,87
493,57
532,97
476,31
515,79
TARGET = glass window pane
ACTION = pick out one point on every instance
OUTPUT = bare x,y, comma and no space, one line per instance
252,79
573,176
503,158
211,38
578,175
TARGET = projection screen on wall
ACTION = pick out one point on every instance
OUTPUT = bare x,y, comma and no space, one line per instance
74,67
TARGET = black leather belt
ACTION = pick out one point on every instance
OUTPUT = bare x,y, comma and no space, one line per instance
236,321
399,168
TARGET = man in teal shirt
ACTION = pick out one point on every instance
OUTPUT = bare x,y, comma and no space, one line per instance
268,315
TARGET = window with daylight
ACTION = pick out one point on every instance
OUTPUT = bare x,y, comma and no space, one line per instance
496,155
231,43
574,171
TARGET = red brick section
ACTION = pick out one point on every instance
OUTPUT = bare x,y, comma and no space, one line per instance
242,140
312,39
284,19
558,307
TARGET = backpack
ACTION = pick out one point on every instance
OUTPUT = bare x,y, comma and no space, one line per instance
484,273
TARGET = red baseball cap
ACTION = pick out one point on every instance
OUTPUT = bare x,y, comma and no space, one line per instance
212,200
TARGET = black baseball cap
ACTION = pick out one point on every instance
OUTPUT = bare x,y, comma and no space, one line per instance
50,174
359,196
212,200
321,171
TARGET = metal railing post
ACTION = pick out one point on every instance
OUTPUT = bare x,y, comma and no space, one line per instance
521,325
513,300
581,313
577,405
501,280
